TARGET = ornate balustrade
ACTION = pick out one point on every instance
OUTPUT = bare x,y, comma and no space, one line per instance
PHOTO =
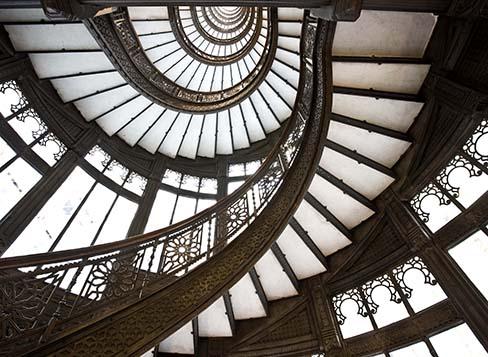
48,298
117,37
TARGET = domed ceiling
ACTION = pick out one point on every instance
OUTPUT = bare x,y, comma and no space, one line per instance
201,82
215,80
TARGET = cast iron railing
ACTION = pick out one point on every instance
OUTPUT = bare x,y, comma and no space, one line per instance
38,291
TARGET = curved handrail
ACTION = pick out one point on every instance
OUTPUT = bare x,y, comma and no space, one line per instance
82,280
234,24
139,325
204,57
118,39
86,252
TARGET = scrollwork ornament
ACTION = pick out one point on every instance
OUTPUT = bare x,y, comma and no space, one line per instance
181,249
353,295
371,285
269,182
54,139
21,99
31,113
236,216
457,162
472,145
106,156
113,278
417,264
124,170
141,179
430,190
24,302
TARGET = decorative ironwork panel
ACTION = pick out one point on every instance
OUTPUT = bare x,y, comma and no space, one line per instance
182,249
417,264
353,295
472,146
21,99
24,301
384,281
458,162
430,190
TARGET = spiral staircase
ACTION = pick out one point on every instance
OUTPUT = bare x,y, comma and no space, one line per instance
198,83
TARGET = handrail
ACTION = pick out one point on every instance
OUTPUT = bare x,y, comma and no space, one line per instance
117,37
139,325
100,276
85,252
204,57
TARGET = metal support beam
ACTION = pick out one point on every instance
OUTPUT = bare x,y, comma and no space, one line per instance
339,10
308,241
360,158
328,215
194,331
229,311
379,60
144,209
323,319
346,189
378,94
285,265
371,127
259,289
436,6
386,5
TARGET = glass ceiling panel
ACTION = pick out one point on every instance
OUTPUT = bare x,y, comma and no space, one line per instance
223,50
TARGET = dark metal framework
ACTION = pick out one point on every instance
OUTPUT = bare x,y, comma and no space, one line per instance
429,249
118,39
235,214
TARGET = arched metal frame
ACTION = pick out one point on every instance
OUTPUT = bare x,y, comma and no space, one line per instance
261,184
117,37
201,56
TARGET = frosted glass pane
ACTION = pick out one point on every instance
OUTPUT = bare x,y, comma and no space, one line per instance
472,256
27,125
417,350
463,180
433,206
11,98
252,167
233,185
83,229
354,323
208,185
118,222
50,150
15,181
458,341
204,204
98,158
116,172
45,227
190,183
423,294
6,152
185,207
387,311
172,178
136,183
161,211
237,170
